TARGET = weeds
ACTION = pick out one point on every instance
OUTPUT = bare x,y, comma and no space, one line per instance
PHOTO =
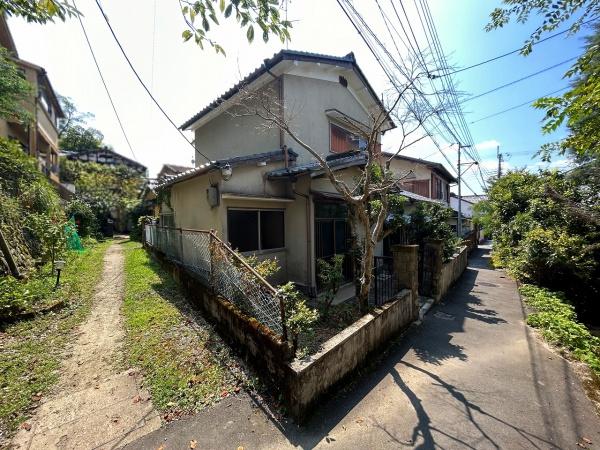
557,322
185,363
31,349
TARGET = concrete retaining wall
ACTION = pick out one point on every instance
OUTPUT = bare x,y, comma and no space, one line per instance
301,382
452,270
311,377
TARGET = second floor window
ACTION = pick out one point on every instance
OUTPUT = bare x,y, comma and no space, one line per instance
343,141
439,189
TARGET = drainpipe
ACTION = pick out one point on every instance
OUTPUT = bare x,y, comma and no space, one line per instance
280,101
285,156
308,237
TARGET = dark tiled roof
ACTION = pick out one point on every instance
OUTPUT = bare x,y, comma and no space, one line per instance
355,159
276,155
176,168
292,55
104,150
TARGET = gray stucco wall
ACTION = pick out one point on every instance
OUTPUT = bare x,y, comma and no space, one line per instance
230,135
306,100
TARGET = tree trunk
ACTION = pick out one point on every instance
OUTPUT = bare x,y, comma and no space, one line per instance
366,261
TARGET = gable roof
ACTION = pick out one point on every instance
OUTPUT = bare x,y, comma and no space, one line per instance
347,61
439,168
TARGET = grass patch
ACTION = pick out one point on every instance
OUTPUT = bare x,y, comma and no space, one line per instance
186,365
557,322
30,349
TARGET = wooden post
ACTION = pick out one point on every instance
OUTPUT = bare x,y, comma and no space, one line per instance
12,265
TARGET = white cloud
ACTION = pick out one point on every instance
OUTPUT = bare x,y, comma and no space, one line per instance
487,145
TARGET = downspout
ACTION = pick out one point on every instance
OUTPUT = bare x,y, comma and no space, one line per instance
308,238
280,101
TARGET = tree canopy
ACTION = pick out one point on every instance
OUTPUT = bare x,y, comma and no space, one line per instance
74,133
14,90
39,11
257,16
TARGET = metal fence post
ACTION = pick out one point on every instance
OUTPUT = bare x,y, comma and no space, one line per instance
284,334
181,247
211,250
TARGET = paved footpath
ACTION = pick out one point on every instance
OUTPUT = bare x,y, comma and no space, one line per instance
95,405
471,376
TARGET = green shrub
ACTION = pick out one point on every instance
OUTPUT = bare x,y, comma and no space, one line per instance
82,213
299,318
20,296
430,220
539,239
331,276
557,322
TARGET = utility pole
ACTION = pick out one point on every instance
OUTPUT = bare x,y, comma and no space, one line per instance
500,159
460,172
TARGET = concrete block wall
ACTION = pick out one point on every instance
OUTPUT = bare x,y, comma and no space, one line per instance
310,378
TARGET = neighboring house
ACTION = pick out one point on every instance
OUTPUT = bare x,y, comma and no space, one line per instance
170,170
260,191
39,138
466,212
105,156
431,180
467,203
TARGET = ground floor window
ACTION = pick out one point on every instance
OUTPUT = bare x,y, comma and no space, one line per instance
255,229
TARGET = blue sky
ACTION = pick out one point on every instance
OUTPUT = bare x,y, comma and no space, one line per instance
185,78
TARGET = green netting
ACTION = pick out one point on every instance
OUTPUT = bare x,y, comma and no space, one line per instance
73,240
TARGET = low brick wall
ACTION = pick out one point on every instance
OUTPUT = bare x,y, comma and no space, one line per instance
310,378
452,270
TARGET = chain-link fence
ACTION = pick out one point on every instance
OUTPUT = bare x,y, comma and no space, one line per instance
210,260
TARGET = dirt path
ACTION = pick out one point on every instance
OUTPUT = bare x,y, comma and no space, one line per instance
95,405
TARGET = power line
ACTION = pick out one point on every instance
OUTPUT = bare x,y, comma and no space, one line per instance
387,71
512,52
143,84
519,80
106,87
529,102
429,25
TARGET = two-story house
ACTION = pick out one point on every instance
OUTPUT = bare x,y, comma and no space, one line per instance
263,193
431,179
40,137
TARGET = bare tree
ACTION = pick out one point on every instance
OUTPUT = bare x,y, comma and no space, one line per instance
372,195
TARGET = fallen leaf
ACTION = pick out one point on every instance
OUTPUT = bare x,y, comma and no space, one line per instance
193,443
26,426
586,440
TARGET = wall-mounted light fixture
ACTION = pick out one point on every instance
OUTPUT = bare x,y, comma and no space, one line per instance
226,172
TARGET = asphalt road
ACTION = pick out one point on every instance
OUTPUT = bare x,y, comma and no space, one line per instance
472,375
